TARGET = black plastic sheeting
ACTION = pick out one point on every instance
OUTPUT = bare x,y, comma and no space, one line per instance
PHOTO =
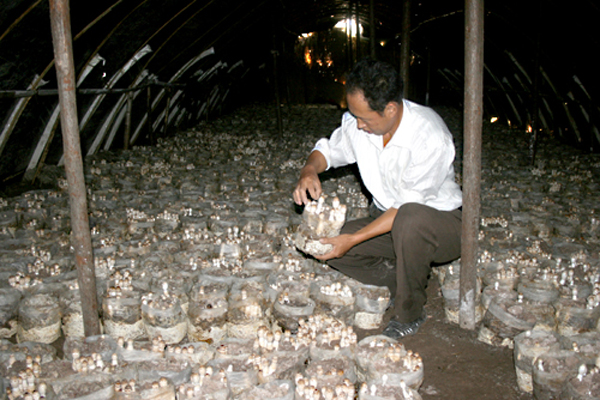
198,59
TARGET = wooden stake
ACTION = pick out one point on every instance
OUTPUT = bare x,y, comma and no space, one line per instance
80,236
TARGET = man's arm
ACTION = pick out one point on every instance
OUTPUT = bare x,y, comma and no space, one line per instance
309,178
343,243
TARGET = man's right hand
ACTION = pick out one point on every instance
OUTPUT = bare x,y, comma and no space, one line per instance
309,179
308,183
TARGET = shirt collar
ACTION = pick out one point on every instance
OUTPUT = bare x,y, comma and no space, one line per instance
396,139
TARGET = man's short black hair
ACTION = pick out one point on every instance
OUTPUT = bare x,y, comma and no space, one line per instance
379,82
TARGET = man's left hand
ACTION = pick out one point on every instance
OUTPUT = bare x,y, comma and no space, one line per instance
341,244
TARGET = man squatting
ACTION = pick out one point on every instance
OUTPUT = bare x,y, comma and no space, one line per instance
405,153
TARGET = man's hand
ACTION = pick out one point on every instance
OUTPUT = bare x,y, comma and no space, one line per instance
309,179
308,182
341,244
344,242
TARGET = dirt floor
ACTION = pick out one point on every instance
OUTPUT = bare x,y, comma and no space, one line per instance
457,365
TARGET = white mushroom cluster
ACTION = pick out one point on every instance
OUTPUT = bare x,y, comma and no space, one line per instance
323,219
320,220
193,242
337,289
538,264
200,207
308,389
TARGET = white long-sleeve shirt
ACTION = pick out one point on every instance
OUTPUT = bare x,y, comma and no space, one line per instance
415,166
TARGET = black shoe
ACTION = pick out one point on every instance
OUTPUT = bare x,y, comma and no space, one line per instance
397,330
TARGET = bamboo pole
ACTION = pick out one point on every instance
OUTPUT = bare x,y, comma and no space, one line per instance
473,114
19,19
357,15
18,94
149,113
167,107
405,47
535,107
81,238
277,99
372,28
349,50
127,137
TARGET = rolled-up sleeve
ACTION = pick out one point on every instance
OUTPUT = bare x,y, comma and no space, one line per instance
338,149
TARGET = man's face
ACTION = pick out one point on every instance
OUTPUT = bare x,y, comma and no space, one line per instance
368,120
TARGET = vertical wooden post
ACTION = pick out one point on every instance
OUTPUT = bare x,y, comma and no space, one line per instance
372,38
128,121
535,98
277,99
357,15
405,47
428,80
473,114
349,51
167,107
81,237
149,113
275,28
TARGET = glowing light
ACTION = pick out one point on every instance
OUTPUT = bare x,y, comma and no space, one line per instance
382,43
493,119
343,25
307,57
529,129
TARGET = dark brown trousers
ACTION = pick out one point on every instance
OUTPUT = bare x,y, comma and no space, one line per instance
402,259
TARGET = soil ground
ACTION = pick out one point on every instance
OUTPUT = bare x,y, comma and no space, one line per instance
457,365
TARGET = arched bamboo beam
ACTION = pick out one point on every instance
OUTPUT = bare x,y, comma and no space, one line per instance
19,19
108,120
100,134
35,85
113,80
180,72
41,148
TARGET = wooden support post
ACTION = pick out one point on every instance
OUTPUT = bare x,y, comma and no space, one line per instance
428,80
81,237
405,47
127,137
276,26
277,99
372,33
349,51
357,15
149,113
473,114
167,107
535,90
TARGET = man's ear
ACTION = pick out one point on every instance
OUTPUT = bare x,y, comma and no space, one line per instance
391,109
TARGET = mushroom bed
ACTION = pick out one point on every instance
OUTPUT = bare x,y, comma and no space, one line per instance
203,293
